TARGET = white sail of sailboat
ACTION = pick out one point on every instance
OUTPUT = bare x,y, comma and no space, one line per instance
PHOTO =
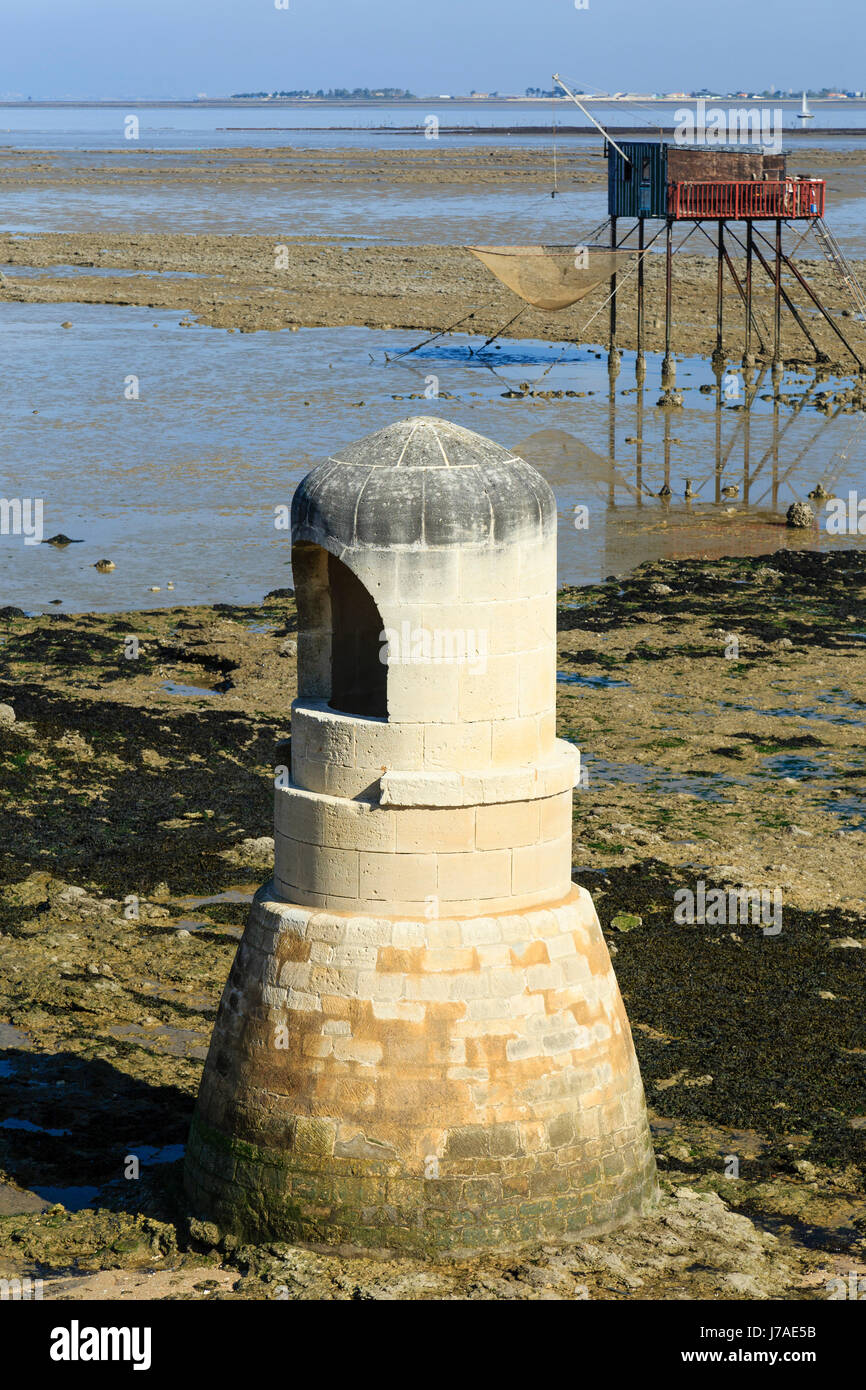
805,113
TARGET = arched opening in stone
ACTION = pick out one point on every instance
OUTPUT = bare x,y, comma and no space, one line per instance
339,636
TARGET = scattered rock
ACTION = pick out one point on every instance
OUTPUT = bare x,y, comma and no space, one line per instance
104,566
70,901
74,743
7,716
259,852
205,1232
626,921
800,516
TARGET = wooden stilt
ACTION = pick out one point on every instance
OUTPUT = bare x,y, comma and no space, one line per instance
789,303
748,355
640,363
613,357
718,355
775,479
777,301
752,320
747,441
667,482
820,307
638,473
719,397
668,369
611,445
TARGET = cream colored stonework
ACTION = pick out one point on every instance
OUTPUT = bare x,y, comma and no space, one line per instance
422,1044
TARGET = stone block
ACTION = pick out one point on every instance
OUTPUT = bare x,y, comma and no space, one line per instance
505,825
556,816
453,747
490,694
321,871
488,572
388,878
480,931
536,682
421,573
478,874
424,693
515,742
426,830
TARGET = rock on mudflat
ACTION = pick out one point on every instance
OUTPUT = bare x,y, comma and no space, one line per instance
7,716
626,921
800,515
258,850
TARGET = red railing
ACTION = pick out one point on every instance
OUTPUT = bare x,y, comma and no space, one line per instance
788,198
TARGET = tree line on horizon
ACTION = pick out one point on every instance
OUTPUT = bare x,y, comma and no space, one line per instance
334,94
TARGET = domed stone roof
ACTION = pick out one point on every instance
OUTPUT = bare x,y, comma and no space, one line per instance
422,482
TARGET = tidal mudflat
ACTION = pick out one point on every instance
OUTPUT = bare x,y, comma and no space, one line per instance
128,864
157,399
194,437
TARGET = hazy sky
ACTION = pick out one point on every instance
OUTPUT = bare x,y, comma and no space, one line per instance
179,48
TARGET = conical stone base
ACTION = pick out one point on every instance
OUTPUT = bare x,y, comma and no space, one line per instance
421,1086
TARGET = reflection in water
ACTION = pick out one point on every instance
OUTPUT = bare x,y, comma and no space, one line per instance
184,482
728,501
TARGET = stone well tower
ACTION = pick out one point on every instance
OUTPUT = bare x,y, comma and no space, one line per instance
422,1045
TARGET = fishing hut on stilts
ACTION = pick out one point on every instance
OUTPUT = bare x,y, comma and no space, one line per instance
739,197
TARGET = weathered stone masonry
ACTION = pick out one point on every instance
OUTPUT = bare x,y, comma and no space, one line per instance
422,1045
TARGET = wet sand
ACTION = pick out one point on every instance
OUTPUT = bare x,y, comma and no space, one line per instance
136,801
420,287
747,771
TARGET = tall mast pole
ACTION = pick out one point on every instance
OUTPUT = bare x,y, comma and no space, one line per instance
590,117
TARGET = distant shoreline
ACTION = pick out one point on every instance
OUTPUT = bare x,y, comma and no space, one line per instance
540,130
264,103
